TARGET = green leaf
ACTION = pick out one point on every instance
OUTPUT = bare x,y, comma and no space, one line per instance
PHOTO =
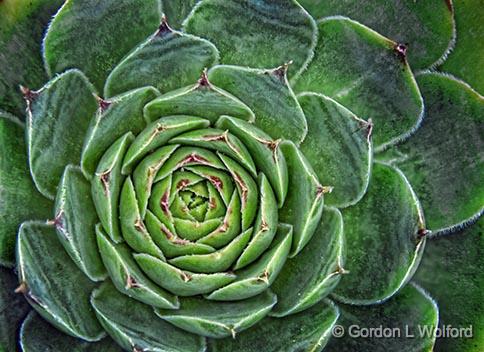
219,319
425,26
219,140
157,134
315,271
201,98
53,284
128,278
265,225
258,276
452,270
179,282
176,11
338,147
306,331
167,60
20,200
368,74
266,152
95,36
134,325
304,202
37,335
274,32
385,238
75,220
113,119
268,94
13,309
58,118
464,59
410,312
23,24
106,186
443,160
217,261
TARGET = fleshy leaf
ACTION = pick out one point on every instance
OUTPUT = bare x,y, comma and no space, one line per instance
443,160
37,335
75,220
158,133
266,152
425,26
135,327
338,147
106,186
315,271
258,276
176,11
274,32
306,331
58,118
465,58
219,319
128,278
268,94
304,203
103,33
385,239
13,309
20,200
179,282
200,99
23,24
368,74
53,284
113,119
410,312
452,270
167,60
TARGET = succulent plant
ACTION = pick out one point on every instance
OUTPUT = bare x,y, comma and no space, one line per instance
243,175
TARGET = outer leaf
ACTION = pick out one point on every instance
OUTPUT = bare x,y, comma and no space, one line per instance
75,221
167,60
444,160
219,319
128,278
452,270
23,23
202,99
385,239
411,312
464,60
308,331
20,199
176,11
268,94
58,119
102,32
13,309
274,32
135,326
315,271
304,203
338,147
114,118
368,74
37,335
425,26
53,284
258,276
